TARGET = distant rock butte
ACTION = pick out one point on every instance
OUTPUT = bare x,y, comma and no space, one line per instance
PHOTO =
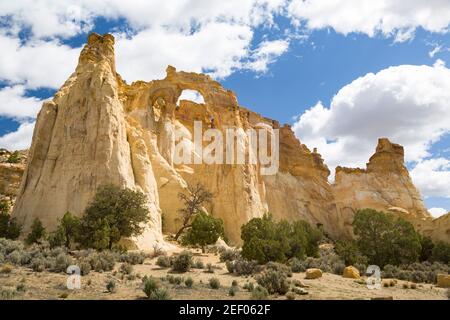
97,129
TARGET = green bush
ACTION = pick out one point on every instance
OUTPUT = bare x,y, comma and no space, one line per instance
189,282
266,240
199,264
232,291
205,229
38,264
163,261
259,293
182,262
242,267
111,286
249,286
62,261
9,228
126,268
229,255
67,232
296,265
160,294
102,261
274,281
427,246
349,252
441,252
37,232
214,283
384,239
114,213
150,285
14,157
133,257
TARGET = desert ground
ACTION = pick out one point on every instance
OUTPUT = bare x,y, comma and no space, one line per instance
51,286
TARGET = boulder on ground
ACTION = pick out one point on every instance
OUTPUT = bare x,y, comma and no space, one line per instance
313,273
351,272
443,280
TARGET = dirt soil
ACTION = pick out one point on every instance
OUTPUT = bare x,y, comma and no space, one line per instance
50,286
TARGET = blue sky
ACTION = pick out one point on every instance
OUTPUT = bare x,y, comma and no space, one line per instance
341,79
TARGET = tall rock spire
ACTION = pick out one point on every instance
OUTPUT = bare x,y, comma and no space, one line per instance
81,141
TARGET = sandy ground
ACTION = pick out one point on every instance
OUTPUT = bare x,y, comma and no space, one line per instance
51,286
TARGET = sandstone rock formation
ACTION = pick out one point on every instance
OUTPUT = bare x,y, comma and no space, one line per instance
11,174
99,129
384,185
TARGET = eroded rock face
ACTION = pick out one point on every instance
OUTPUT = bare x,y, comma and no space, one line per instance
99,129
384,185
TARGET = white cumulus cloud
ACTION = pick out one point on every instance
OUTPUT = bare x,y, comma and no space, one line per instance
14,103
437,212
20,139
407,104
387,17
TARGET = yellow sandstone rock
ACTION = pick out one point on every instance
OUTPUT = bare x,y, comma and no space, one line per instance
443,280
313,273
351,272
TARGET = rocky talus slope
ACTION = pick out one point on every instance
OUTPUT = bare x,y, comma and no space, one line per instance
98,129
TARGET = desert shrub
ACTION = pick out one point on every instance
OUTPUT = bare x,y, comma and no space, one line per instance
242,267
7,246
111,286
7,294
189,282
199,264
9,228
163,261
150,284
232,291
209,268
21,287
259,293
390,271
37,232
266,240
441,252
274,281
102,261
279,267
15,257
133,257
229,255
62,261
234,283
249,286
296,265
214,283
418,276
384,239
6,268
204,230
177,280
114,213
14,157
362,267
126,268
85,267
38,264
160,294
2,257
328,261
182,262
